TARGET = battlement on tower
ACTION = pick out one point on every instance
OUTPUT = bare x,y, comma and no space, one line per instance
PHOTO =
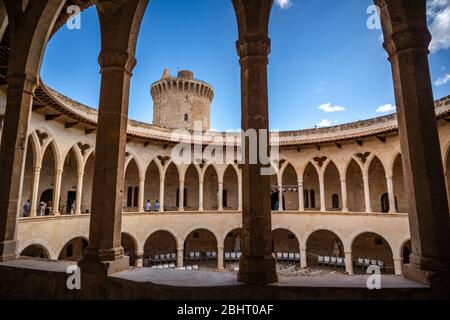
179,102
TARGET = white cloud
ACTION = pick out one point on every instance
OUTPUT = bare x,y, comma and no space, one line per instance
327,107
386,108
442,80
326,123
284,4
438,12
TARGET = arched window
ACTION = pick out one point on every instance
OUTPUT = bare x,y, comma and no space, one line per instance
312,196
186,117
136,197
306,198
130,197
335,201
385,203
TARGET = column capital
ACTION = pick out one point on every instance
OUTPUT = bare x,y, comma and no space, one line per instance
253,46
407,39
23,82
116,60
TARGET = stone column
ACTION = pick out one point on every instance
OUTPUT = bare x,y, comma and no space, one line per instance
105,254
257,263
139,263
367,193
180,257
344,196
181,196
390,188
323,206
79,192
220,264
12,158
240,194
303,259
349,262
398,263
301,196
447,183
141,195
161,195
35,191
220,205
280,196
57,192
200,195
407,40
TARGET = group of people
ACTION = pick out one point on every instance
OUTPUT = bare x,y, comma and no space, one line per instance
149,207
45,208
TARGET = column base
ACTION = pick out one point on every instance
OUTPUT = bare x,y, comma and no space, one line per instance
8,250
101,263
257,270
428,271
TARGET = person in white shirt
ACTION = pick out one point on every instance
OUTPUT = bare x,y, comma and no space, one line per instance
148,206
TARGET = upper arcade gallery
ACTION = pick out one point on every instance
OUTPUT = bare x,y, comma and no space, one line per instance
378,187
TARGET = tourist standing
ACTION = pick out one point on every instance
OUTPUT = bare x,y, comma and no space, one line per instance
26,209
148,206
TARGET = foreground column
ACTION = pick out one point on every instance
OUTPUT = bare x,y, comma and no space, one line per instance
398,262
240,194
12,158
257,264
105,255
406,40
280,196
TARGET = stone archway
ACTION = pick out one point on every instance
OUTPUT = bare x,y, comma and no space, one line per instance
200,248
47,180
130,248
69,184
311,188
355,187
210,189
171,188
160,248
191,185
373,247
230,189
333,192
28,177
377,184
131,187
88,180
321,243
406,251
152,185
73,250
290,189
399,184
35,251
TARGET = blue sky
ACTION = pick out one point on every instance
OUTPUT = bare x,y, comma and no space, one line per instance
326,67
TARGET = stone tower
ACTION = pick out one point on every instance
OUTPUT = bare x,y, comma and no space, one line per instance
181,102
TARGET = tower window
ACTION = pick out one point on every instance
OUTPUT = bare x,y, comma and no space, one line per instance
186,117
